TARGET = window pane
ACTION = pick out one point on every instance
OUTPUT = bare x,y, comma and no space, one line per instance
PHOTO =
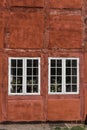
68,80
13,71
52,88
35,63
74,71
29,71
59,88
59,63
19,89
29,88
35,71
53,71
29,63
13,89
13,80
59,71
74,88
19,72
19,80
53,79
59,80
29,80
68,71
35,80
53,63
68,88
13,63
68,63
35,88
74,79
74,63
19,63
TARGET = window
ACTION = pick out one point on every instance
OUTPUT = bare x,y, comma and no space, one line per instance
24,76
63,75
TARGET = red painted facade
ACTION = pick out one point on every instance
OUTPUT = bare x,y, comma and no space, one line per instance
43,28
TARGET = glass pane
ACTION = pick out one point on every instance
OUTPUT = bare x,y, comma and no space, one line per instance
19,80
29,71
53,80
35,63
59,71
13,80
53,71
52,88
74,63
19,63
74,71
19,72
68,79
13,89
13,63
59,63
35,71
74,79
53,63
68,71
59,88
29,88
35,80
68,63
68,88
59,80
29,63
74,88
29,80
19,89
35,88
13,71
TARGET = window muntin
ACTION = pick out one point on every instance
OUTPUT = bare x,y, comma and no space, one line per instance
24,76
63,75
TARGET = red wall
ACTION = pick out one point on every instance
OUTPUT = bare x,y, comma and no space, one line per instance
43,28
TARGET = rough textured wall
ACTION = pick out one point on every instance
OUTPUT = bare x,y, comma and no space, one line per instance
43,28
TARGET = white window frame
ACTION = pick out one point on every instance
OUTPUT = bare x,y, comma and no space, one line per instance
63,75
24,75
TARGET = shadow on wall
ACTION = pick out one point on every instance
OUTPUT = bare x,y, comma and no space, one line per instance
85,120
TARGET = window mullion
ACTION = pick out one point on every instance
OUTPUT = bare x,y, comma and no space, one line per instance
9,75
78,75
49,76
39,76
63,76
24,76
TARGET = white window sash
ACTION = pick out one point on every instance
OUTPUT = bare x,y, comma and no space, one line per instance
63,75
24,84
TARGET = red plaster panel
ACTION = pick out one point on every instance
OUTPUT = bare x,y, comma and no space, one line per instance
65,31
25,110
60,109
26,29
2,2
31,3
66,3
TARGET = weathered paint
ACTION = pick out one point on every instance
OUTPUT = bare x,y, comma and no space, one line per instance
43,28
73,4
